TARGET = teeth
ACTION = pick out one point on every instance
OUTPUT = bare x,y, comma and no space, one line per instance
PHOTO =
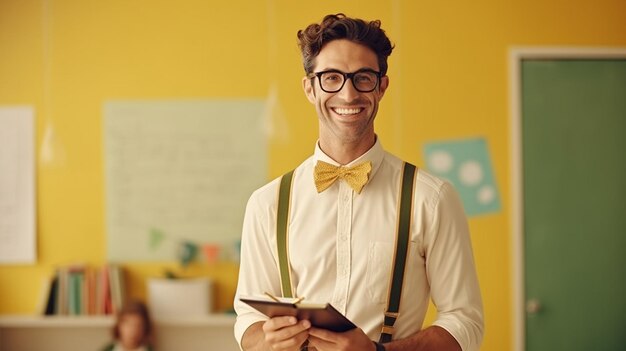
347,111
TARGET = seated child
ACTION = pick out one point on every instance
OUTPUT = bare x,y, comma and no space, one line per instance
132,330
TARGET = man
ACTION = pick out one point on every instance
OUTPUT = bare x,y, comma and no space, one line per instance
341,236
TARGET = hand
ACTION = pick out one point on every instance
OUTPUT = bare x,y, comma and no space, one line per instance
286,333
326,340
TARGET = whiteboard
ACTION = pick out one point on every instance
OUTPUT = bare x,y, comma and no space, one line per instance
17,185
183,169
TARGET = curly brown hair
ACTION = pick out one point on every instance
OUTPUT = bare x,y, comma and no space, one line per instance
313,38
134,307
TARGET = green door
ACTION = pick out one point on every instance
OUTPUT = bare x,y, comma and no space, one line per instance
574,181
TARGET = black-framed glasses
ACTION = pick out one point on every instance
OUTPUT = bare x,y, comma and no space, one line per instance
363,80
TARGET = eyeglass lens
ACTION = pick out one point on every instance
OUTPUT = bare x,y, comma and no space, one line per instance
364,81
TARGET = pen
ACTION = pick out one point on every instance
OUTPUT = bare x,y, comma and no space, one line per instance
299,299
272,296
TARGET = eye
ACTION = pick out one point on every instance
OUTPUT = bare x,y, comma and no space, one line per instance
364,78
332,77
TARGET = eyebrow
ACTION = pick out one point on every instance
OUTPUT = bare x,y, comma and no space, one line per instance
338,70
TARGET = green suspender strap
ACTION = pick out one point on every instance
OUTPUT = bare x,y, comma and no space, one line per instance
282,219
402,245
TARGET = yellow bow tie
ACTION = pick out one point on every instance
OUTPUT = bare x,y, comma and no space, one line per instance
326,174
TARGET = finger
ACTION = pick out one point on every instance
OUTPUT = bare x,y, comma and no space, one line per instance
287,330
354,339
276,323
278,336
292,343
319,344
323,334
290,331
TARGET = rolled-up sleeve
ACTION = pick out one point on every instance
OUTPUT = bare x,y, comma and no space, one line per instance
451,272
258,268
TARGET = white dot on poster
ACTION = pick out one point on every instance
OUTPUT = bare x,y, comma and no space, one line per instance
441,161
486,194
470,173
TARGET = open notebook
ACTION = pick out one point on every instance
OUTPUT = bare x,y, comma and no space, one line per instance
321,315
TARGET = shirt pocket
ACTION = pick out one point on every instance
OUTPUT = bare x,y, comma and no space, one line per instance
380,258
379,265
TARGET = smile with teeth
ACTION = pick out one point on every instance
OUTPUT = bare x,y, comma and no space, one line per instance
347,111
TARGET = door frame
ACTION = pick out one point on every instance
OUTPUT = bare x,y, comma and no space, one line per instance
516,56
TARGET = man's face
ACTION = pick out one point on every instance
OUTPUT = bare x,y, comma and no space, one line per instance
346,116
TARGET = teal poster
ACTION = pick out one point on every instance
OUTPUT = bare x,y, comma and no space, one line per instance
467,165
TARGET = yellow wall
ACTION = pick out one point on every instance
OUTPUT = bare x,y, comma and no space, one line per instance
448,80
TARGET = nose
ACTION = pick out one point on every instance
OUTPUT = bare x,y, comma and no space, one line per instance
348,92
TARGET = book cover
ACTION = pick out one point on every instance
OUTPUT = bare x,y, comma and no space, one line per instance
62,294
73,299
108,300
321,315
76,296
104,292
115,289
90,282
47,305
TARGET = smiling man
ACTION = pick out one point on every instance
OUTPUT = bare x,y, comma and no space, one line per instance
361,229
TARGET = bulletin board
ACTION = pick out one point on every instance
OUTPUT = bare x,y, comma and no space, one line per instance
179,172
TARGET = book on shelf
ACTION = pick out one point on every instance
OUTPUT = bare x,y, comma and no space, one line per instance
75,281
104,298
48,297
321,315
89,291
117,287
62,295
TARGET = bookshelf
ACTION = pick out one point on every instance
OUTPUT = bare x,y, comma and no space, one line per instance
30,321
67,333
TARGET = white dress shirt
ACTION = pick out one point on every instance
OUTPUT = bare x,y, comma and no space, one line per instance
341,246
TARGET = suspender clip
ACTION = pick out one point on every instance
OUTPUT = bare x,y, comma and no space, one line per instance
388,330
391,314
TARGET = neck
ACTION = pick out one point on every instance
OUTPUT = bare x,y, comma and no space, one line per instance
346,152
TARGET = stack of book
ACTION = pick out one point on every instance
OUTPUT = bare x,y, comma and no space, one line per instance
84,290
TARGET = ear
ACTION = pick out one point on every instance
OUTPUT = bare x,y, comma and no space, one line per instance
383,85
309,89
